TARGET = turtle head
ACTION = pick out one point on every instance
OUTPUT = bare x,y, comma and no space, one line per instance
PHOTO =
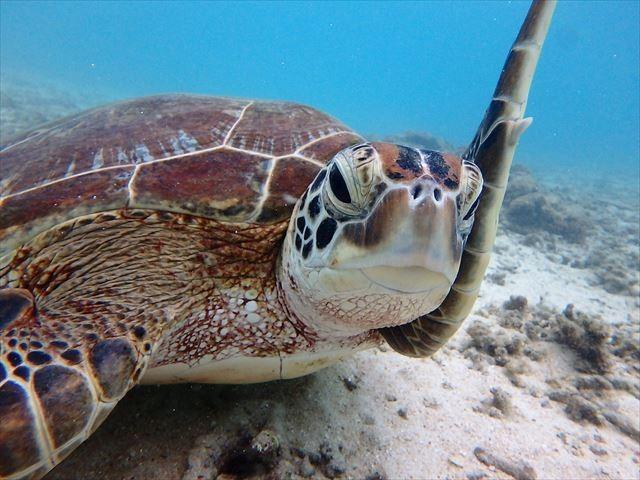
376,239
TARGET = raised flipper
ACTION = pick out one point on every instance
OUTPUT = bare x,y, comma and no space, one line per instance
492,150
56,390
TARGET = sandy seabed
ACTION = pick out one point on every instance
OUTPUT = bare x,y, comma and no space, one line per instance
542,380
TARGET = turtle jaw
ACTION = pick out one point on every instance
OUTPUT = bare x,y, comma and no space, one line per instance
409,280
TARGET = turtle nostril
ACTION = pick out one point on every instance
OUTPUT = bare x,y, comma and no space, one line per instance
437,194
416,191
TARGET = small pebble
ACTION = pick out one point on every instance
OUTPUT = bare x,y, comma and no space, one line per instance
315,458
516,302
306,469
598,450
476,475
350,383
430,402
375,476
389,397
298,452
456,461
402,411
368,419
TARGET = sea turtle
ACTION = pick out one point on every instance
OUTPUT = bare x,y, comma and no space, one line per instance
187,238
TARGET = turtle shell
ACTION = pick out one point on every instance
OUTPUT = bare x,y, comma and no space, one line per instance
227,159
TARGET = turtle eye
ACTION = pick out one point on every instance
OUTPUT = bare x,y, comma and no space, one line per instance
338,185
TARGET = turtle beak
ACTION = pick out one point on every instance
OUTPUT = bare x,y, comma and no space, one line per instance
408,243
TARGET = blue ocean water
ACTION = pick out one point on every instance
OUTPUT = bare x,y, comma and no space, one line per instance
381,67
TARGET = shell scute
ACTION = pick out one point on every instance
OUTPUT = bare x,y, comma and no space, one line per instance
203,185
325,149
289,178
279,128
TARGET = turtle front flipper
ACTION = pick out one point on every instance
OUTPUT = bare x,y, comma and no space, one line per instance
54,393
492,151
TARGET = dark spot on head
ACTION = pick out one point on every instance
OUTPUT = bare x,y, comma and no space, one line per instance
437,166
362,152
326,230
38,358
13,342
395,175
35,344
58,344
24,333
14,359
306,250
14,302
92,337
409,159
451,184
314,206
23,346
303,200
3,372
300,224
298,242
23,372
147,346
318,181
307,233
72,356
338,185
139,332
437,194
